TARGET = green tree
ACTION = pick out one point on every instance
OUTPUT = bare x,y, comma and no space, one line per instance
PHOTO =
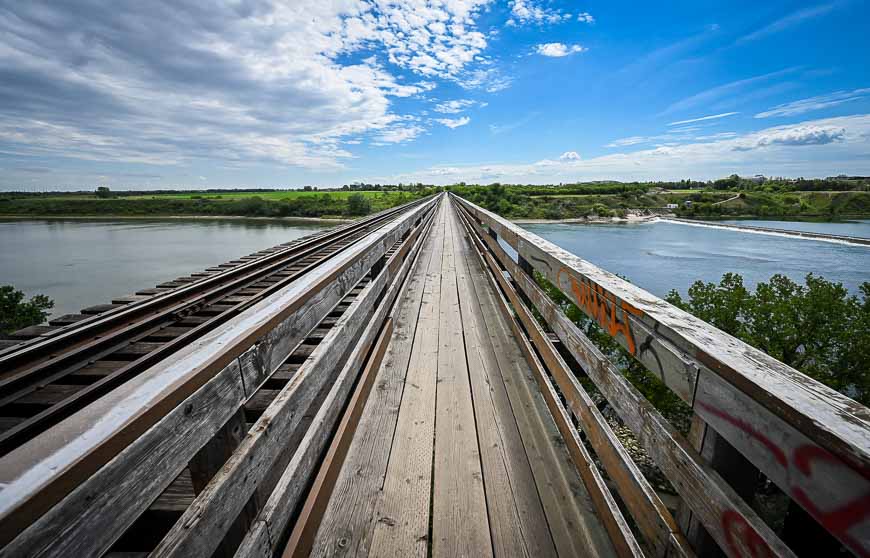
104,192
16,313
358,204
817,328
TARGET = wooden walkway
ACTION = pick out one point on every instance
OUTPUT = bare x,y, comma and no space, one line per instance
455,453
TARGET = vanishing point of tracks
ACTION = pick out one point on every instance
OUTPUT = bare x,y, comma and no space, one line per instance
50,372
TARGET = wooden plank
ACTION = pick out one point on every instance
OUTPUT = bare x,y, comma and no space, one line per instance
203,525
42,471
177,496
516,516
551,447
686,470
349,520
302,537
801,421
402,516
460,525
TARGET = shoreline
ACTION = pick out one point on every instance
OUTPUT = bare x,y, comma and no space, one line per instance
630,219
308,220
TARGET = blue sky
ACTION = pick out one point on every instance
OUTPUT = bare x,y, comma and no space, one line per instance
260,93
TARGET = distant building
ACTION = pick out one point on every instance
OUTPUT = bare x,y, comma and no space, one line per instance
688,203
673,205
758,179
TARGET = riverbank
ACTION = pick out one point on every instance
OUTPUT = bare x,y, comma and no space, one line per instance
328,221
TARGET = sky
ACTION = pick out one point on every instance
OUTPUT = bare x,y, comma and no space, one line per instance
283,94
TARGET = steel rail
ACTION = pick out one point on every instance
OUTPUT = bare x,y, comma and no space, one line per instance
12,357
83,355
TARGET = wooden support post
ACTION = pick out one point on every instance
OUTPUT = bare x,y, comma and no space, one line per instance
208,461
732,466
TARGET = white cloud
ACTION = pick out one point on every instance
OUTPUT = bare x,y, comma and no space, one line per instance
400,134
815,103
530,11
703,118
558,50
709,96
569,156
454,106
454,122
275,82
585,17
814,148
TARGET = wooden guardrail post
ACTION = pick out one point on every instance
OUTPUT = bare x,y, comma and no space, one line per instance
732,466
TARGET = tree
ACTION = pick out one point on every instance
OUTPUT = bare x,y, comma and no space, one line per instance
358,204
104,192
817,328
16,313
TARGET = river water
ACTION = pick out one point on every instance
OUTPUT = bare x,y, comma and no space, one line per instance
82,263
659,256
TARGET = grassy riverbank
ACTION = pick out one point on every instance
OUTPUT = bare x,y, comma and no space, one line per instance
828,199
286,203
618,200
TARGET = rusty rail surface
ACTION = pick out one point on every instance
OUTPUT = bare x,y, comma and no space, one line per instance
76,488
811,441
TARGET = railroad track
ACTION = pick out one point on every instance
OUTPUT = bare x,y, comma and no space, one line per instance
53,371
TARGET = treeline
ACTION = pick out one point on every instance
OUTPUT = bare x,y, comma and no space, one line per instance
322,205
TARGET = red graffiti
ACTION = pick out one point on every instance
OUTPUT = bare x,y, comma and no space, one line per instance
601,306
837,520
778,454
741,536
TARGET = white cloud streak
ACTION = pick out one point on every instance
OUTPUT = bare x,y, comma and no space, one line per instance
703,118
818,102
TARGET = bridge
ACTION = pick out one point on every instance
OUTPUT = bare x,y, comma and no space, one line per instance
408,385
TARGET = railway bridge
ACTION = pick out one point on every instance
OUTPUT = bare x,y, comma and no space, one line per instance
410,385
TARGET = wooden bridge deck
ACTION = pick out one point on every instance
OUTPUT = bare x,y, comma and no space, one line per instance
414,391
456,452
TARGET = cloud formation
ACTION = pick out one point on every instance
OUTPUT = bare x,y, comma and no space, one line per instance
814,103
531,11
170,82
558,50
454,122
813,148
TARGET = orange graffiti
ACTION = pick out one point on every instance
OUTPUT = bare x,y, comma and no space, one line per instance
601,306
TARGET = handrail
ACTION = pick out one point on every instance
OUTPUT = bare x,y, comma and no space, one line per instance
145,418
810,440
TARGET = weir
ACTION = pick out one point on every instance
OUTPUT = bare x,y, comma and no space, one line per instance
405,386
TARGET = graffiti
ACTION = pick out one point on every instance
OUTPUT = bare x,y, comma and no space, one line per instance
601,306
837,520
742,539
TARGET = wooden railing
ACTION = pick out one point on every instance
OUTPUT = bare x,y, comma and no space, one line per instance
74,490
750,410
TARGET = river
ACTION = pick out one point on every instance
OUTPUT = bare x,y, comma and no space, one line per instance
659,256
81,263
